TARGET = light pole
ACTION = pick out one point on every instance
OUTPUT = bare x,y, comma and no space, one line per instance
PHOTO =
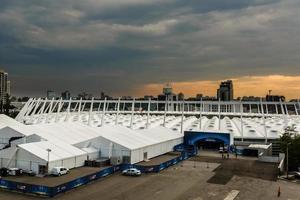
48,150
287,160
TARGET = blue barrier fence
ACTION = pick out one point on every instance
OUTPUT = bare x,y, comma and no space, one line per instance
53,191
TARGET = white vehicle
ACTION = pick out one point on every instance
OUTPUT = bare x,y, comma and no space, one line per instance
58,171
132,172
15,171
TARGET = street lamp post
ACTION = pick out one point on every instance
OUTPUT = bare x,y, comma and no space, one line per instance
48,150
287,160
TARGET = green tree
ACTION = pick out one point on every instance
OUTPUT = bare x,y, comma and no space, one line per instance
292,139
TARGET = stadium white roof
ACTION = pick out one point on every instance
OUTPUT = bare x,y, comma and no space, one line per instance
247,127
126,137
66,134
160,134
7,121
58,150
70,133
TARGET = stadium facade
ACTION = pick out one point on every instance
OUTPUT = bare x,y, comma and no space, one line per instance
49,133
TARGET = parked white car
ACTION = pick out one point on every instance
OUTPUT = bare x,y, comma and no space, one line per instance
58,171
132,172
15,171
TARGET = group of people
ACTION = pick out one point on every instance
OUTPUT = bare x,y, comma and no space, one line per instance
225,156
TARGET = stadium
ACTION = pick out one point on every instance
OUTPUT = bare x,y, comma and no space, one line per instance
51,133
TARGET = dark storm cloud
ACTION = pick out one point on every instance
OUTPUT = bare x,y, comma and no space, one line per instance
115,46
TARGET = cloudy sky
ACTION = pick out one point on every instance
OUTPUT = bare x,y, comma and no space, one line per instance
134,47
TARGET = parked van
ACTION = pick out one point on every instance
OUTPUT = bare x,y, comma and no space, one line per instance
58,171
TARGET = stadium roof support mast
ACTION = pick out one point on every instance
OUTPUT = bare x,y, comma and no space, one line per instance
83,106
283,113
182,116
250,108
21,114
29,108
242,122
219,110
123,107
148,113
118,111
60,105
50,109
79,107
286,110
132,113
298,104
296,110
165,113
68,109
99,107
281,106
103,112
264,121
42,111
200,119
42,105
276,108
74,109
91,111
35,108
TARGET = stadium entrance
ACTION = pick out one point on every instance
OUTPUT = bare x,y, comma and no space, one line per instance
209,144
207,140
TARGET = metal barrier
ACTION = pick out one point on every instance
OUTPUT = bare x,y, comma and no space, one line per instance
53,191
25,188
83,180
157,168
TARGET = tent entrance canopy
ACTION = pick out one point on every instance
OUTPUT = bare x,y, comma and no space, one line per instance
193,138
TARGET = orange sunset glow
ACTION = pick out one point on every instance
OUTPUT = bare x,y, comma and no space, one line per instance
243,86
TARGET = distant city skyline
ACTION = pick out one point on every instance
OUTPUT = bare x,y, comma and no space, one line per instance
132,47
243,87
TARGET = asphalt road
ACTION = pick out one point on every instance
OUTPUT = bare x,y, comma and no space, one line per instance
185,181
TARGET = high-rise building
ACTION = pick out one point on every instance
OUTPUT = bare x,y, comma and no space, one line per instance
3,87
51,94
225,92
66,95
169,97
199,96
180,96
251,98
8,88
275,98
168,90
